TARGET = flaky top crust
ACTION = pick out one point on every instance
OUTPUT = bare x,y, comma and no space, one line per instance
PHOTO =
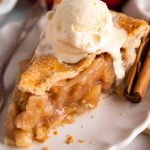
46,71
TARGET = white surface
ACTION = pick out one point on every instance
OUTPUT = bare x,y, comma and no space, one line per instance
138,9
115,124
142,142
6,6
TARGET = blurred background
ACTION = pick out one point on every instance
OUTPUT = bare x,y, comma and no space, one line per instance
16,10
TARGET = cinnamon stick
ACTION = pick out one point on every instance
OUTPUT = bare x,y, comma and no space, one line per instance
143,79
140,73
135,66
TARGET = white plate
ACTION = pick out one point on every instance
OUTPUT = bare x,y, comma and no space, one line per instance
115,123
6,6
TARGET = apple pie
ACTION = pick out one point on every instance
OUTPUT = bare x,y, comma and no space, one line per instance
50,92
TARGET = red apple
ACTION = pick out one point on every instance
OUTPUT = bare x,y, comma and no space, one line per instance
113,4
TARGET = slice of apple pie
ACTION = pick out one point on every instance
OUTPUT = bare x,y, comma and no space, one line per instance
80,55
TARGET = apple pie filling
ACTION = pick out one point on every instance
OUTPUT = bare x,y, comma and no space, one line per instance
32,116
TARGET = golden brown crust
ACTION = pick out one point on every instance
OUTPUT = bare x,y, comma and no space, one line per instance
131,25
45,71
135,29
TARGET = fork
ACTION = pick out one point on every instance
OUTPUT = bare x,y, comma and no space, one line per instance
34,14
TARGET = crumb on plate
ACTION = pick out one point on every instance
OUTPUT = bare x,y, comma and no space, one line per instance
70,139
46,148
55,132
121,114
81,141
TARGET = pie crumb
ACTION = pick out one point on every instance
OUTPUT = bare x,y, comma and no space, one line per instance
92,117
55,132
81,126
81,141
70,139
46,148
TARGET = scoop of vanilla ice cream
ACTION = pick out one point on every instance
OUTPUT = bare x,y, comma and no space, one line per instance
77,28
80,27
83,16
